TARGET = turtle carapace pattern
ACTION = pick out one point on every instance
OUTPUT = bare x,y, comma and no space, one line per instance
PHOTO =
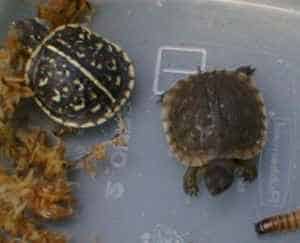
215,123
79,78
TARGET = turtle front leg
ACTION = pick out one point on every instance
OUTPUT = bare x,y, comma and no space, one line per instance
245,169
191,180
248,70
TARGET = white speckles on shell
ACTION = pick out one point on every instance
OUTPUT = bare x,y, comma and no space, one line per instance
43,82
101,120
78,107
118,80
80,54
96,108
93,95
78,84
81,36
99,66
93,63
68,74
85,71
62,42
113,65
65,89
57,96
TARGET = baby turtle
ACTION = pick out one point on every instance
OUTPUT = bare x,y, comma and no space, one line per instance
79,78
215,123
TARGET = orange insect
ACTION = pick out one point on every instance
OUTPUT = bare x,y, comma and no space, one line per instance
279,223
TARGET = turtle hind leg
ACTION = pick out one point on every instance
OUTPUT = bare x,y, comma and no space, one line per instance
245,169
191,180
248,70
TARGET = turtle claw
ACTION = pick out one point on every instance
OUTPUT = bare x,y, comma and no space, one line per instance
191,190
247,173
190,181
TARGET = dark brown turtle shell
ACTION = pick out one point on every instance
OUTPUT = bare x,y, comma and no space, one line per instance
214,115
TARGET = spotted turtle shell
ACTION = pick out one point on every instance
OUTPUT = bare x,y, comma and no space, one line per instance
79,78
214,115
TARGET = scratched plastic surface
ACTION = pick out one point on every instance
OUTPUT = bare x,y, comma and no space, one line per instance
137,195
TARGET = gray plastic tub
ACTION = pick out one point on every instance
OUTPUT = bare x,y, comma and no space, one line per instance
137,195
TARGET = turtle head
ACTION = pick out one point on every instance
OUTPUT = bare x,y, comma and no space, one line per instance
30,32
218,179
